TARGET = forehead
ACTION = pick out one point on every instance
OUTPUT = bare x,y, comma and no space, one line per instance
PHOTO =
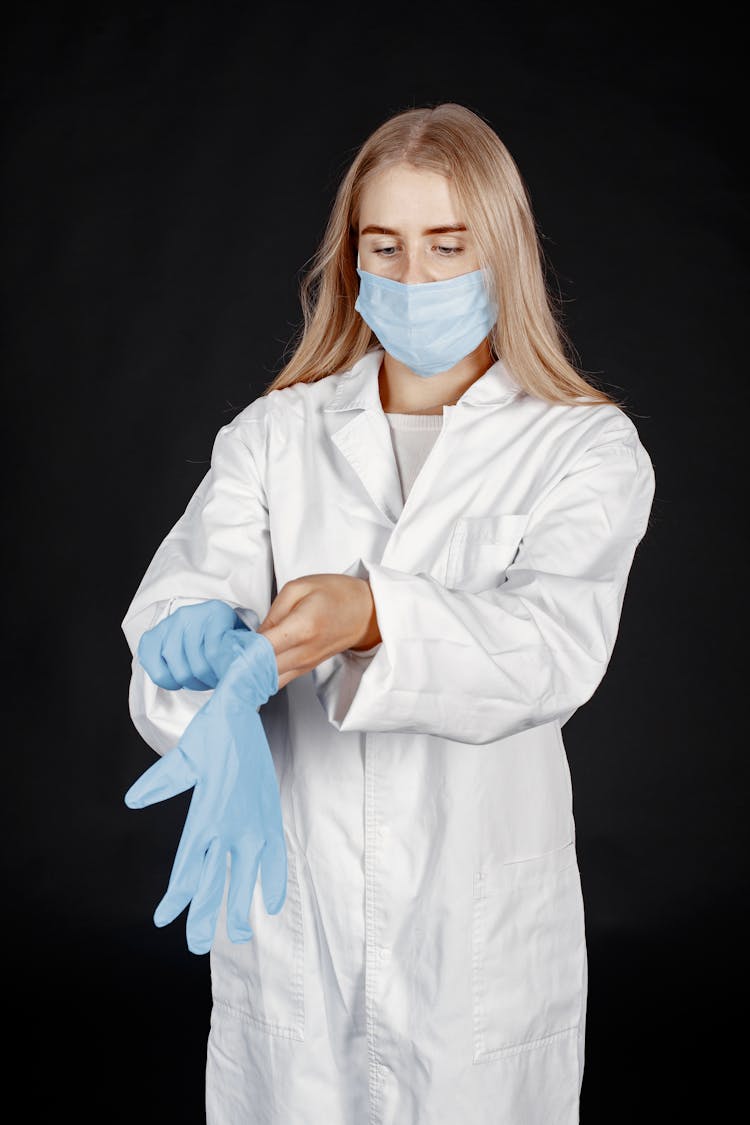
402,195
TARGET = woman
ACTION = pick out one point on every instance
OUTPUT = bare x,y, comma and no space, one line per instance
431,516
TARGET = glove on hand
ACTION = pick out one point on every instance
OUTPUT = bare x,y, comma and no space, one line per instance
185,649
235,807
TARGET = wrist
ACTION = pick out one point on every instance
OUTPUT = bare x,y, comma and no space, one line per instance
372,636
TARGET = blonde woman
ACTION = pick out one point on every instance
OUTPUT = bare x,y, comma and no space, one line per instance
431,516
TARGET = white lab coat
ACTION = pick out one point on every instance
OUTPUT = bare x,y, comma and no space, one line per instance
429,964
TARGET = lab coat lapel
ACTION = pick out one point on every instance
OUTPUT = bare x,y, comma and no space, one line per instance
364,437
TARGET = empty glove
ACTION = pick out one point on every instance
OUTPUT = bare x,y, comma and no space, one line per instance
235,808
185,649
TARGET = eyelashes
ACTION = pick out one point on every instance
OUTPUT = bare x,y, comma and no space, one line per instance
444,251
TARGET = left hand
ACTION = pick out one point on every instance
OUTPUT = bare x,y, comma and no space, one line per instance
316,616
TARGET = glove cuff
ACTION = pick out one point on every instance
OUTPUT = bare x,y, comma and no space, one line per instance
254,671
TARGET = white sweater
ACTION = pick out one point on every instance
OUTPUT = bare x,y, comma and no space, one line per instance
413,437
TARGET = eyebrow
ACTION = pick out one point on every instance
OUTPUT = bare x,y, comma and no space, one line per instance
451,228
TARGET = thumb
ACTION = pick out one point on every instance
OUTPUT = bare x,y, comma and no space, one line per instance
171,775
282,605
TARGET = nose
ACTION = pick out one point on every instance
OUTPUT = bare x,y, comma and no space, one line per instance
413,268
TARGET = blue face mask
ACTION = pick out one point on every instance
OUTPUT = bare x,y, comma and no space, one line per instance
430,326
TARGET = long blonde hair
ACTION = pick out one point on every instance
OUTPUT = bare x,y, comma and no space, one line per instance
455,142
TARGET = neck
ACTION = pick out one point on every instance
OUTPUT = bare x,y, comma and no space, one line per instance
402,391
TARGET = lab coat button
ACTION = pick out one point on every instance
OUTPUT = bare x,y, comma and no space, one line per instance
384,954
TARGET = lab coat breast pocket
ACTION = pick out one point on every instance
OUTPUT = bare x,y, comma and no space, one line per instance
528,954
481,548
262,980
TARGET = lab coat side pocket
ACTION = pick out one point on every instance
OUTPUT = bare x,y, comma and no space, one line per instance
528,954
262,980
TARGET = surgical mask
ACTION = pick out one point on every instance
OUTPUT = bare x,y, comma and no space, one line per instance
430,326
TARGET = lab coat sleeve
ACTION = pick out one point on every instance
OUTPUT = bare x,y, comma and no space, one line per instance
478,667
219,548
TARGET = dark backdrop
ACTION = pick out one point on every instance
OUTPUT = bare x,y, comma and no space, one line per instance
168,172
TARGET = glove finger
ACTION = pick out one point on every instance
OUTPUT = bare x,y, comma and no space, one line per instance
186,871
149,655
175,657
194,684
244,876
171,775
273,864
216,628
193,647
204,909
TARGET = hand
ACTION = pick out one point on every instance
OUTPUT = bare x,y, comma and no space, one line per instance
185,648
235,807
316,616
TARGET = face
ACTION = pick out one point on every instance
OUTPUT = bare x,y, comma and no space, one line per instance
410,228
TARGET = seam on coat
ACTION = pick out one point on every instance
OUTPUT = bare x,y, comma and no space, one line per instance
583,988
234,429
477,978
262,1025
298,986
530,1045
450,562
372,966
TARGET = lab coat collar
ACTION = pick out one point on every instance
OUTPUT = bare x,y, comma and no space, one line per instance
364,439
358,387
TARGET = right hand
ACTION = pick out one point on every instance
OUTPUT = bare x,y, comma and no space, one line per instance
185,650
235,809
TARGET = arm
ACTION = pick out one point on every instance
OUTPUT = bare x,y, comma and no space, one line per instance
477,667
219,548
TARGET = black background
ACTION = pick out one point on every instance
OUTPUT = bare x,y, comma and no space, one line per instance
168,170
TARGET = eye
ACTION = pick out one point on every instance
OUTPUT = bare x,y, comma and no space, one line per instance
385,251
448,251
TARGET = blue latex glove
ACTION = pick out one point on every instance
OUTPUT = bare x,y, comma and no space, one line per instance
235,807
185,649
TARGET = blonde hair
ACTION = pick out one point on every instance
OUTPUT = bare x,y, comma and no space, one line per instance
455,142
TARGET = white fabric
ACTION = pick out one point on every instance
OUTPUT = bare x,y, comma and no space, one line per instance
413,436
429,965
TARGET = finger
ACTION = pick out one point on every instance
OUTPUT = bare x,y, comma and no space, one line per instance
297,661
171,775
294,632
290,594
294,642
204,909
150,657
294,661
273,865
291,675
244,876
